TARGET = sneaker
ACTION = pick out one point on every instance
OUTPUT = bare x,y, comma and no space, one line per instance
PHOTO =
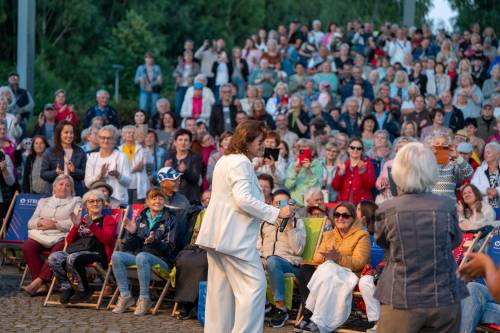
298,328
66,295
123,304
142,306
81,296
372,330
311,327
279,319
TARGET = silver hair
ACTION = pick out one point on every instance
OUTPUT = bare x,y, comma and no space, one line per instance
415,169
60,178
161,101
111,129
310,192
493,145
97,194
101,92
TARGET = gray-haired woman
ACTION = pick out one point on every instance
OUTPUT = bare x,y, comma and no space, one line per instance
47,228
418,288
90,240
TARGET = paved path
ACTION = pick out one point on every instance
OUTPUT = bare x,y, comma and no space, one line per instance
21,313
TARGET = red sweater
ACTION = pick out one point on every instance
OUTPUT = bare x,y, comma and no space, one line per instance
105,234
353,186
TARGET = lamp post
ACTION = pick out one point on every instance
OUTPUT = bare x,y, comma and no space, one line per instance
26,44
117,68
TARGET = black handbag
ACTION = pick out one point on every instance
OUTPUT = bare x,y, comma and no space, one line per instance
156,88
83,244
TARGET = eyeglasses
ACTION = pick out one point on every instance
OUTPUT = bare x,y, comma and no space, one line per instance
356,148
106,138
95,202
205,200
343,215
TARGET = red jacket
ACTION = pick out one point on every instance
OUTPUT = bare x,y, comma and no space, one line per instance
65,112
105,234
353,186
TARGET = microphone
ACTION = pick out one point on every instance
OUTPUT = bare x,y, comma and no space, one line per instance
283,224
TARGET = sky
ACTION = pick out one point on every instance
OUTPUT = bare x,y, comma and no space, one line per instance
441,14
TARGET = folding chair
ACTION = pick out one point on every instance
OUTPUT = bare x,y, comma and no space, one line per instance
118,215
14,229
159,275
493,250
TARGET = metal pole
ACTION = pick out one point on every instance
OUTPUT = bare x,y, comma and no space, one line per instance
409,13
26,44
117,69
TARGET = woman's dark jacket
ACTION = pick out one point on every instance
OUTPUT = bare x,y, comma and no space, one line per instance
165,234
51,160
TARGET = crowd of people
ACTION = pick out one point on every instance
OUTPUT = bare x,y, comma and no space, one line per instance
338,103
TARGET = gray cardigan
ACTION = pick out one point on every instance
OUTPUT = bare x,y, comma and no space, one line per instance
419,231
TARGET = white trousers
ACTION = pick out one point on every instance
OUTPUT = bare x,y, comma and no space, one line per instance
236,294
367,289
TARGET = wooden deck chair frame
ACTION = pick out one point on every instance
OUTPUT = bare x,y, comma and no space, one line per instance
106,273
3,229
320,238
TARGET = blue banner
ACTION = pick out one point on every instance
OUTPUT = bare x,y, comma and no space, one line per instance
23,211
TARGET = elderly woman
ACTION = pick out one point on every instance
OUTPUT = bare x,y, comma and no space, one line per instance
487,175
109,165
278,103
14,129
306,172
188,163
155,156
355,178
136,156
472,93
453,168
385,184
150,240
473,212
419,230
342,254
90,239
65,157
63,110
47,228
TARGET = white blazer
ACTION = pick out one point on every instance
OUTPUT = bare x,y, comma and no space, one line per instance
140,179
118,161
481,181
231,222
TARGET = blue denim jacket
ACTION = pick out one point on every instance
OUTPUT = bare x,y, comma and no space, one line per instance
142,73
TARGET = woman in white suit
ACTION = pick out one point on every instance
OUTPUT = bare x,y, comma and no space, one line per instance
236,280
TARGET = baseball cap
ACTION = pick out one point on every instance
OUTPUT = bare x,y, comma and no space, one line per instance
198,85
49,106
168,173
465,148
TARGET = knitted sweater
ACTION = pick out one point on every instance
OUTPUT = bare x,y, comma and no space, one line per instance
451,175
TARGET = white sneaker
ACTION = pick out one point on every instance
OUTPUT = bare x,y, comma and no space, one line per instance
142,306
123,304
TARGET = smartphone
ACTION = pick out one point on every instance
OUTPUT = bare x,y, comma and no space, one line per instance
272,152
304,154
282,203
441,154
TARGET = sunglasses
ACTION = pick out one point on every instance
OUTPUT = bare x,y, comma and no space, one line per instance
356,148
343,215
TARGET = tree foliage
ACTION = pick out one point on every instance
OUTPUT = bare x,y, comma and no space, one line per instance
77,42
484,12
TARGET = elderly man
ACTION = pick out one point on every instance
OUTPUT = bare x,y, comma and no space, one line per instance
169,180
265,77
486,123
102,109
162,107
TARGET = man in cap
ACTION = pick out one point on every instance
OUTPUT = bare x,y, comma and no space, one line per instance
169,180
46,123
107,190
